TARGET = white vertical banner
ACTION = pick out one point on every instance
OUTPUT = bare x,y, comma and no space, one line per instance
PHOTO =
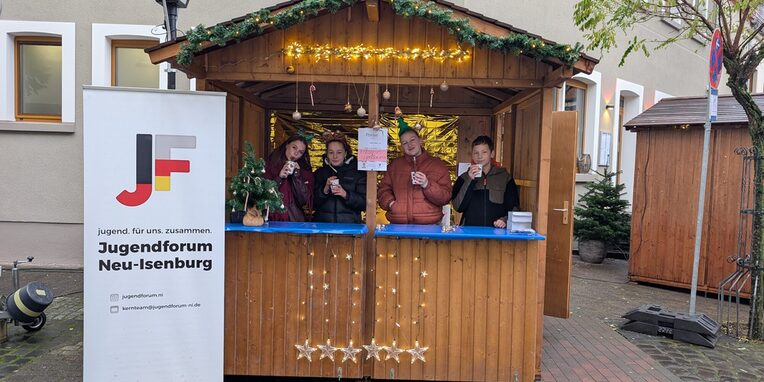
154,234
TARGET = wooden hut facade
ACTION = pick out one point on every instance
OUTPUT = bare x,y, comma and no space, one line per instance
667,177
482,314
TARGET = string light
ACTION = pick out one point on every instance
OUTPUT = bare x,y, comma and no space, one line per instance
325,52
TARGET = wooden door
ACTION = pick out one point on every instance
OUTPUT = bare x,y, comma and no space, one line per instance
562,184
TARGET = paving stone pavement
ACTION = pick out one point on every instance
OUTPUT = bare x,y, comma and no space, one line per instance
600,294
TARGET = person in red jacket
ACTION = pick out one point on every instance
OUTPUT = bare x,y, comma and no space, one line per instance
416,185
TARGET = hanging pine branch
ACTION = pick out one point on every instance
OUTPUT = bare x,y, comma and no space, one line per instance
253,25
262,192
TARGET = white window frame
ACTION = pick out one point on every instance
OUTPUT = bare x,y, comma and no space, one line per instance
104,34
593,114
634,106
9,30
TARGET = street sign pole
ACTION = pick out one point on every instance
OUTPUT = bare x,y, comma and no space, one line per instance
715,67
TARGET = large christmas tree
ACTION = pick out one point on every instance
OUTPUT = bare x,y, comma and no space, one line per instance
249,182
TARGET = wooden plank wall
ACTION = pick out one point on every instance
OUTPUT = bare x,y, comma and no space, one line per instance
270,307
475,309
527,142
667,176
260,59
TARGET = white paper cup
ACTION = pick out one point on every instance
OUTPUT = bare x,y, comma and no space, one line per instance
335,183
413,178
479,174
291,166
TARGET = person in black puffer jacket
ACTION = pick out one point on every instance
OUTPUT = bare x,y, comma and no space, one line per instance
339,193
485,192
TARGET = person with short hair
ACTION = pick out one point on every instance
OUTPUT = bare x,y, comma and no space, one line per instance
339,194
486,192
289,166
416,185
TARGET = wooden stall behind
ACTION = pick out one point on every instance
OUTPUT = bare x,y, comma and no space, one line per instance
667,176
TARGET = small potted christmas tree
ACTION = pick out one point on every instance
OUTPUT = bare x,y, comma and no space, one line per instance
600,219
253,196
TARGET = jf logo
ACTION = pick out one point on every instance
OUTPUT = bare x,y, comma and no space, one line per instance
163,165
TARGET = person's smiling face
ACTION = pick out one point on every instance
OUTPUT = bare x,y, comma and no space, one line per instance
411,143
336,153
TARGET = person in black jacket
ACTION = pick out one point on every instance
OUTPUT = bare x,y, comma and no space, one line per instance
485,192
339,195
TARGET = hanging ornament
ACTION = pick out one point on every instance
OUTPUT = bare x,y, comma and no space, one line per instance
444,86
376,124
312,88
290,69
386,94
252,172
361,111
417,126
296,115
234,192
398,111
305,351
417,353
372,350
350,352
432,94
348,107
327,351
393,352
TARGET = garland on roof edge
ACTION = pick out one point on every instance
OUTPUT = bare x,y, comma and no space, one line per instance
515,43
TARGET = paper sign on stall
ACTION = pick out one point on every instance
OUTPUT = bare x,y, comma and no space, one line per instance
372,149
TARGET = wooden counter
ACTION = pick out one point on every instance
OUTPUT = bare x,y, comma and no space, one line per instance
469,295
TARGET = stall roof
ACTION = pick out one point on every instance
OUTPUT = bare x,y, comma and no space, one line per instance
692,111
586,63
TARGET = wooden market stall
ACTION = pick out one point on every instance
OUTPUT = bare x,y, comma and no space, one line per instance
667,176
473,296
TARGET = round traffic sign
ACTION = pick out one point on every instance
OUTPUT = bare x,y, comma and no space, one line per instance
715,60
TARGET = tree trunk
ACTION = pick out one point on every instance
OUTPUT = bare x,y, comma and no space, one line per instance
738,84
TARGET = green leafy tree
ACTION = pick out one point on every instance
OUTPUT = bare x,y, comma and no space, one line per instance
741,25
601,212
262,192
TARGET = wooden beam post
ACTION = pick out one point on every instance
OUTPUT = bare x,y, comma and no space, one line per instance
369,244
371,176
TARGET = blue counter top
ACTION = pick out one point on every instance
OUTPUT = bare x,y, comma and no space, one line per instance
436,232
304,228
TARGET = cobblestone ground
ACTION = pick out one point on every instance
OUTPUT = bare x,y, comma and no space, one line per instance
55,352
600,294
603,292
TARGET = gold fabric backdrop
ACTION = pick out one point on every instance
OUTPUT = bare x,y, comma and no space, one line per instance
439,135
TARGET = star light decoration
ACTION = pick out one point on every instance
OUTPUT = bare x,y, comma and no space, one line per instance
393,352
349,352
417,353
327,351
372,350
305,351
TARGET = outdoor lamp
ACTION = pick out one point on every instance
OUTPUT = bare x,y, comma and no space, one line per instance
609,107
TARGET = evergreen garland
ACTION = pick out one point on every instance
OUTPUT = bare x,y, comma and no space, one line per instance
601,213
262,192
515,43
